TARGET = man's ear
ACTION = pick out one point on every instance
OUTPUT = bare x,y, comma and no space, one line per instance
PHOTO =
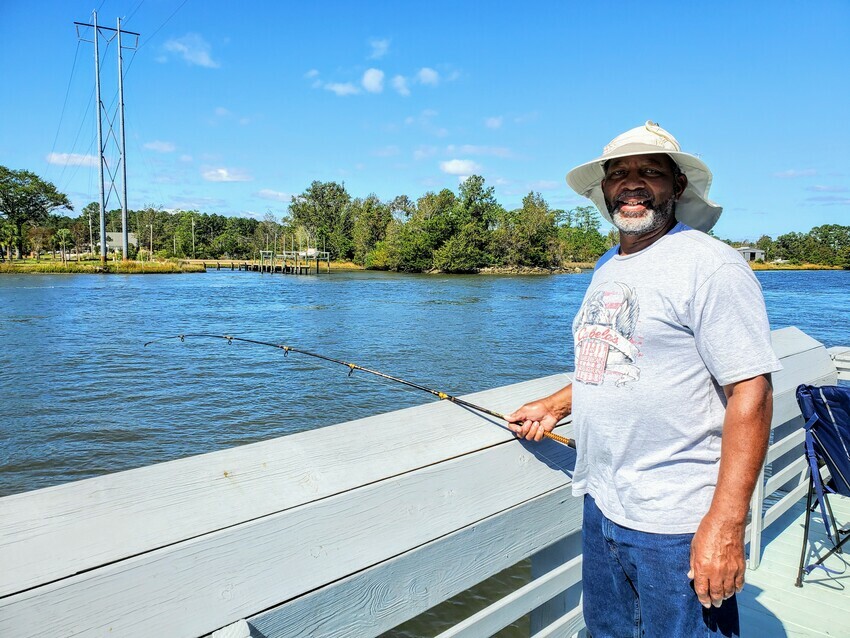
681,184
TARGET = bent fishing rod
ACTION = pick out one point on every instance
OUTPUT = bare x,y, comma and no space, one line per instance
353,366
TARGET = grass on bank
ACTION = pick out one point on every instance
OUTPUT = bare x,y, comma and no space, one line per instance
95,267
787,266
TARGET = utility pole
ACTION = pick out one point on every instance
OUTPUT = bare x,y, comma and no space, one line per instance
99,141
193,236
101,147
125,237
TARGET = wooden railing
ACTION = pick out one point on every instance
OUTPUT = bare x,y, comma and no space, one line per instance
347,530
784,477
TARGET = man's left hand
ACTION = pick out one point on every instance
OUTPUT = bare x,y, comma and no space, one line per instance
717,559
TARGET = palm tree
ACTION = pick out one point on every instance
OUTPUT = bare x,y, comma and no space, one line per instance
63,236
8,235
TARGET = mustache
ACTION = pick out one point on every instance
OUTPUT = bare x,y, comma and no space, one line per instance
640,193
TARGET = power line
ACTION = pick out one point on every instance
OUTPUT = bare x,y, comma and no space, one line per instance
133,12
65,101
167,20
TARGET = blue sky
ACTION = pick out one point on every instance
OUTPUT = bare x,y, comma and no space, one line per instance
233,107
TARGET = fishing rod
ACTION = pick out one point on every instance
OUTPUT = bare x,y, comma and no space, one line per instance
353,366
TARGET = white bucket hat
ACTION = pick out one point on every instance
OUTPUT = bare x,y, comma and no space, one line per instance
693,208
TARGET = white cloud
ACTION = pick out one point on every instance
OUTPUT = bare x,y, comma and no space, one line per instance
379,49
276,196
72,159
459,167
400,85
342,89
424,151
791,173
185,158
160,146
818,188
221,111
829,199
471,149
373,80
387,151
226,175
244,121
428,76
494,122
312,73
544,185
193,49
195,203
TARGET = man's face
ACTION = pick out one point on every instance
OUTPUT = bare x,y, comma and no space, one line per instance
641,192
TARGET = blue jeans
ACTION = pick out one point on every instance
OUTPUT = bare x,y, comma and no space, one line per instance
636,584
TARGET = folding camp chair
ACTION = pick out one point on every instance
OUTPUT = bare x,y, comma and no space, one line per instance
827,413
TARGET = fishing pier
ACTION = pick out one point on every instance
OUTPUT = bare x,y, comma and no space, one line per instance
352,529
294,262
288,262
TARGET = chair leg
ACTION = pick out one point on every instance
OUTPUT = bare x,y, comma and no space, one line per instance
799,582
834,524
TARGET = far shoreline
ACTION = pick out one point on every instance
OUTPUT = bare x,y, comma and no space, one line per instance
184,266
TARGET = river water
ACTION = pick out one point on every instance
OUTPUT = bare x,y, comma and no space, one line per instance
81,396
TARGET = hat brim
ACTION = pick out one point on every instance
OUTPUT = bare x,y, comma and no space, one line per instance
693,208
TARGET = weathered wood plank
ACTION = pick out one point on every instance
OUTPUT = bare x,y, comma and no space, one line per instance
542,563
385,595
515,605
58,531
785,406
208,582
564,627
793,441
809,364
791,339
796,468
841,357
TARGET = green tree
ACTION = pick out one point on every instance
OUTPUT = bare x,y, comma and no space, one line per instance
8,237
323,210
765,243
525,236
579,237
89,215
461,253
63,236
38,237
370,220
26,198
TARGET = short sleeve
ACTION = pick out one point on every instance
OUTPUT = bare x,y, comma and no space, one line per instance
730,326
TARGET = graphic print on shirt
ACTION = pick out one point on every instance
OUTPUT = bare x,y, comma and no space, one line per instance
603,331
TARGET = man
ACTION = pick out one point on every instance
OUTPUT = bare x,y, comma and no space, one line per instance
672,348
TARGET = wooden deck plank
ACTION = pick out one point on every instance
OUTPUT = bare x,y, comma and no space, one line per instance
207,582
58,531
365,605
821,607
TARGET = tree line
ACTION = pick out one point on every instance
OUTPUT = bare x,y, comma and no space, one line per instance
450,231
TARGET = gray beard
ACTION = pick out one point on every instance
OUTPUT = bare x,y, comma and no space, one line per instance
653,219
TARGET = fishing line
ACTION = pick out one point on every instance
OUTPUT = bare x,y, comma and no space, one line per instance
353,366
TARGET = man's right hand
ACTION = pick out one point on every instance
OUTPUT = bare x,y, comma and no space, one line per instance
533,419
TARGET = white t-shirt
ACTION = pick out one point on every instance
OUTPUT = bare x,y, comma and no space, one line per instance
660,332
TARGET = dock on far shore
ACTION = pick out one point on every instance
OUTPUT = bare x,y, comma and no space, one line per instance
288,262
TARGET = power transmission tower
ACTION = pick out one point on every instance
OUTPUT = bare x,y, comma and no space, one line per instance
109,34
